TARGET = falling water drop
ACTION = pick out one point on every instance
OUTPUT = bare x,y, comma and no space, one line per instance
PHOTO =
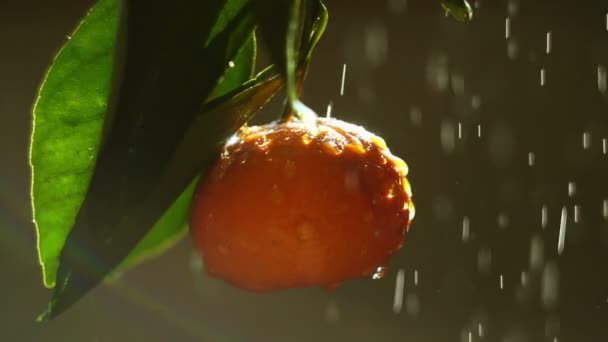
604,145
577,213
412,304
548,43
502,282
398,298
484,260
562,231
465,229
571,189
416,116
543,216
328,112
397,6
602,79
503,221
586,140
531,159
448,136
475,102
479,130
459,130
550,286
537,252
332,312
512,49
343,79
512,7
507,27
415,277
605,209
543,77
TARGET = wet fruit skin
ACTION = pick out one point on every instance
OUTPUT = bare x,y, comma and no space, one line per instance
300,204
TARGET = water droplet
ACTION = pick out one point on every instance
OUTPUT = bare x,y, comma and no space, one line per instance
437,73
416,116
605,209
457,82
343,81
397,6
448,136
512,48
562,231
376,44
571,189
465,229
586,140
379,273
524,278
577,213
415,277
412,304
604,145
332,312
479,130
459,130
484,260
548,43
503,221
543,77
543,216
398,298
231,64
537,252
531,159
502,282
475,102
512,7
602,79
550,286
328,112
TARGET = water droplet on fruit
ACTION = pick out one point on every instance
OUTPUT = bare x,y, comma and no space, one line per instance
351,180
380,272
290,169
305,231
223,249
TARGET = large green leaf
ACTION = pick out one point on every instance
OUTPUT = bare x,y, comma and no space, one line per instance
172,225
74,140
68,119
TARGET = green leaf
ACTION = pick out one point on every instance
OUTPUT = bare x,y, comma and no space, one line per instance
67,124
163,77
172,225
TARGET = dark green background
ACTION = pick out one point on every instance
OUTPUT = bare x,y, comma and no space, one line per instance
483,179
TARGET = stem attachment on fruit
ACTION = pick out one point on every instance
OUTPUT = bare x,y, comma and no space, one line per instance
295,107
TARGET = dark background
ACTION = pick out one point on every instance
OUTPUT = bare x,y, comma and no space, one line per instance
412,76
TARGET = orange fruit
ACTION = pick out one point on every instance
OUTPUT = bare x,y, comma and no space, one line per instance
299,204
